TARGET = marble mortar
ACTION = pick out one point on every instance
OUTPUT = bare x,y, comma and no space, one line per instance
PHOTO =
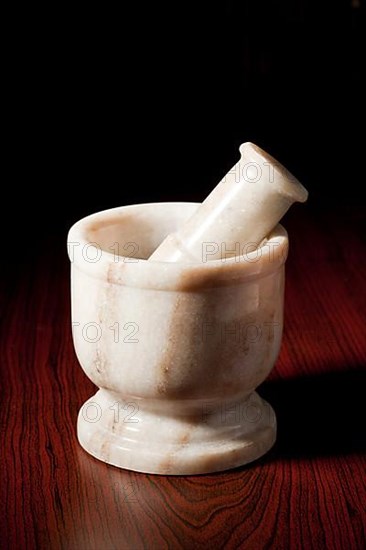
177,349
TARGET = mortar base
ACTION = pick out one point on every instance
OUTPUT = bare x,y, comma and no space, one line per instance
176,438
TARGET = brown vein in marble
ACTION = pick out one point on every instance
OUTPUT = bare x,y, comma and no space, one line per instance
166,361
167,465
106,301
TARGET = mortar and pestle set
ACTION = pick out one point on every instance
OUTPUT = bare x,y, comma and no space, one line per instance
177,313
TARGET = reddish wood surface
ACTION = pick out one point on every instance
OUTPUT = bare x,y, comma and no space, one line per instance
308,492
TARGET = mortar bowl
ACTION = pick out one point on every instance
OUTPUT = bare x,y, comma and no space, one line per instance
176,349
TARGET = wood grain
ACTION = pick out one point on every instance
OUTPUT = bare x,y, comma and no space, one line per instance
308,492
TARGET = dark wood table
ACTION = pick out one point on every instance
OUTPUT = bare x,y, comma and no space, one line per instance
308,492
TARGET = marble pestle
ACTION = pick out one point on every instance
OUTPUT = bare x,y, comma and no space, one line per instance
238,214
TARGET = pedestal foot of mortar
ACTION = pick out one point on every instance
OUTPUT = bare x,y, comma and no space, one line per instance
176,438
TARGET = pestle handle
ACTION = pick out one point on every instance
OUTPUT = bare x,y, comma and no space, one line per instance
240,212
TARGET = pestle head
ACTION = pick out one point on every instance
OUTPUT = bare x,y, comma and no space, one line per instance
278,175
241,211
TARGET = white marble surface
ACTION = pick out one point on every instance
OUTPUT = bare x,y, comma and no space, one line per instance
177,350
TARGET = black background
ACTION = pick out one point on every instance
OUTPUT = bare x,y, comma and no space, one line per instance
140,103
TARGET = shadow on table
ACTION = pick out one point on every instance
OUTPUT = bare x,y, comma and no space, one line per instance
318,415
